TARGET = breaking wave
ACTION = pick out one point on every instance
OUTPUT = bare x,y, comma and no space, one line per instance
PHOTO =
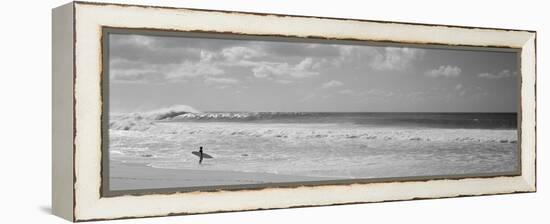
250,116
185,114
145,120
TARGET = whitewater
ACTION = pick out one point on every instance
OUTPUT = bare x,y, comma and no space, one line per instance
336,145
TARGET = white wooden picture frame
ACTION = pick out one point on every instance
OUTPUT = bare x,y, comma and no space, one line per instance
78,109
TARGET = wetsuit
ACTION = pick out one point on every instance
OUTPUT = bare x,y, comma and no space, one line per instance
200,160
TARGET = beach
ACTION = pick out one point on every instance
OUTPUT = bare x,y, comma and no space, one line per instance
125,176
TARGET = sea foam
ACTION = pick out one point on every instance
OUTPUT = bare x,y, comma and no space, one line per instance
325,150
144,120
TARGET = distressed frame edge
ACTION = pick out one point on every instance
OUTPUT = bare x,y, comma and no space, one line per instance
530,183
62,77
297,16
528,100
302,206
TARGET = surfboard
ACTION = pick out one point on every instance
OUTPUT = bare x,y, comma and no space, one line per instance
204,155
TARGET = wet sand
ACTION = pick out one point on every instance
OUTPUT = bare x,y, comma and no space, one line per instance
131,176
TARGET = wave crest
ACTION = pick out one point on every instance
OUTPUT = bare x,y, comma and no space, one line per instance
145,120
239,115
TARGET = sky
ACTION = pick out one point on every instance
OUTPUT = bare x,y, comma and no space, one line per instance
148,72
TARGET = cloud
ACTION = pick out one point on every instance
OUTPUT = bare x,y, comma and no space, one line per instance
261,64
283,81
346,91
332,84
240,53
379,58
301,50
190,69
208,56
417,94
143,58
264,70
460,89
500,75
142,73
308,97
379,92
394,58
125,71
304,69
307,64
147,49
165,49
213,80
135,76
445,71
147,58
232,57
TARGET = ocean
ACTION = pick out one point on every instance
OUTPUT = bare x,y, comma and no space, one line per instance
334,145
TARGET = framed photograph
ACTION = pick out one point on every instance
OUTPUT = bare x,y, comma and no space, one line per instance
168,111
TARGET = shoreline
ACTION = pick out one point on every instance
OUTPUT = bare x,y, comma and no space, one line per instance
133,176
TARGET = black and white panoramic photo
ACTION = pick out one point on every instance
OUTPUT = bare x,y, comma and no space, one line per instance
191,111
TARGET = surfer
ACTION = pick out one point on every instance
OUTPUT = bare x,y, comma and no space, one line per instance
200,155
